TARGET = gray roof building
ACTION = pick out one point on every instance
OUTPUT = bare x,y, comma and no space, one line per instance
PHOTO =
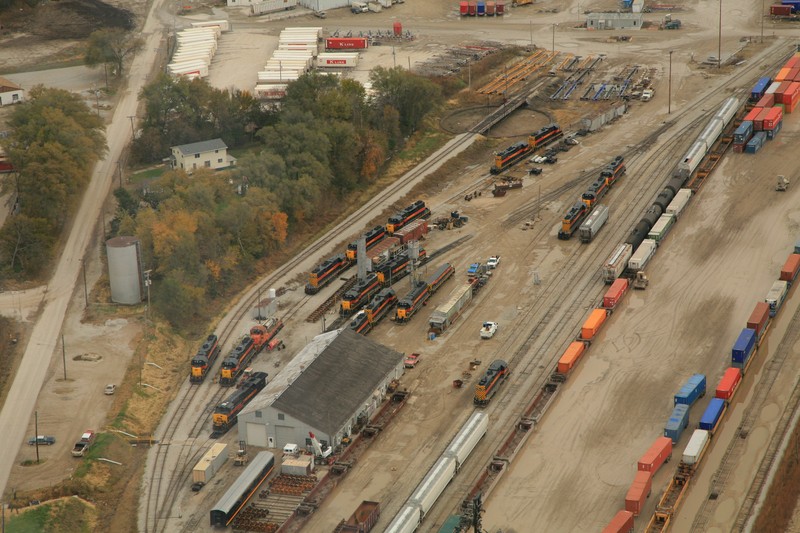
211,154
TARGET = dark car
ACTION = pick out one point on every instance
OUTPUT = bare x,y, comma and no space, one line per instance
42,440
196,486
535,171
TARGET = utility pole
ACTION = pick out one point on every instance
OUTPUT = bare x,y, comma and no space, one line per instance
554,38
36,433
119,171
669,97
719,50
762,21
133,131
530,22
64,356
85,289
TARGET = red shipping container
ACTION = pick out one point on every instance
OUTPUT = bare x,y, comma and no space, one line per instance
780,11
413,232
571,356
774,116
346,43
759,317
789,108
621,523
500,8
753,113
793,74
790,268
780,92
463,9
768,100
473,8
728,384
783,74
615,293
658,454
639,491
793,62
758,122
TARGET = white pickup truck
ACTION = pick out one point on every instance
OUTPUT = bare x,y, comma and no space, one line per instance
488,330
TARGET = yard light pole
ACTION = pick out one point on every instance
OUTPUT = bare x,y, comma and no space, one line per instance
719,50
554,38
669,93
762,21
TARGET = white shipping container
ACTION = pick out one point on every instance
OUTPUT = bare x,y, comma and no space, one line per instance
337,60
776,295
617,262
223,25
696,446
642,255
677,205
196,39
302,466
210,463
293,54
661,227
774,87
205,33
210,30
201,71
274,91
469,436
303,29
433,484
271,6
593,223
406,521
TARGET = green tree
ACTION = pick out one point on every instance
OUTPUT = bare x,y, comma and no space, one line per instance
111,46
411,95
26,244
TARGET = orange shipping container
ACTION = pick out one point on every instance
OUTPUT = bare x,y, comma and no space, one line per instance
593,323
658,454
783,74
621,523
570,357
790,268
615,292
728,384
639,491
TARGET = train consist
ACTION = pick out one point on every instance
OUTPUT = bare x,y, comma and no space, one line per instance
242,490
422,290
329,269
379,307
388,272
204,359
440,475
516,152
244,352
743,352
225,414
589,199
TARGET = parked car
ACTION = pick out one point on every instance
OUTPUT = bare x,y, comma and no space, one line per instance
411,361
488,330
535,171
43,440
110,389
196,486
492,262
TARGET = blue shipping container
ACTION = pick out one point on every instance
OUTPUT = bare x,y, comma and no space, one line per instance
743,132
743,347
693,389
712,414
759,89
677,423
481,8
773,132
755,144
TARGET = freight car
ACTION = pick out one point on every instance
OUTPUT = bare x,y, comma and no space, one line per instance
326,272
594,222
225,414
409,214
204,359
359,294
372,237
367,318
238,359
487,387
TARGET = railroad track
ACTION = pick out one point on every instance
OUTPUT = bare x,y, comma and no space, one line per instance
163,486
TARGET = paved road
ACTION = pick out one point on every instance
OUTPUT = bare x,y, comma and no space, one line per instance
40,349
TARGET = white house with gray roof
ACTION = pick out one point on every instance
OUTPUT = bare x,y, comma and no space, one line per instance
339,378
211,154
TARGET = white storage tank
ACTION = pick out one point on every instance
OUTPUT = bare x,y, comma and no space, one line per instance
125,270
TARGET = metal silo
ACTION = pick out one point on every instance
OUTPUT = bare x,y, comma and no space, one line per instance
125,270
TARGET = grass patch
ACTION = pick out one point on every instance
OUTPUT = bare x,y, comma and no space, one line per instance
32,462
97,449
68,515
33,521
149,174
428,143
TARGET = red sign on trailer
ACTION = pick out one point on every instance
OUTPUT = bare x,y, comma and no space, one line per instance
346,43
658,454
728,384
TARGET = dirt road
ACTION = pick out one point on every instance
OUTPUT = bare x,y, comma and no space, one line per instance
42,344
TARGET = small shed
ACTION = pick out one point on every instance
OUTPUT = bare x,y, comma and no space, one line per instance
211,154
10,92
614,21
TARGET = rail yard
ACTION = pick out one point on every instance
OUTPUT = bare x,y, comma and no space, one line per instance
577,400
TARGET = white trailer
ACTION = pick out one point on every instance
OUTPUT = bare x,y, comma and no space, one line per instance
375,7
272,6
642,255
270,91
696,447
208,30
223,25
677,205
617,262
337,60
210,463
593,223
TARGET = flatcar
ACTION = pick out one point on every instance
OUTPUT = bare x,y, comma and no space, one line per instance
238,359
545,136
572,220
407,215
204,359
372,237
245,486
412,302
326,272
487,387
225,414
359,294
375,310
509,156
